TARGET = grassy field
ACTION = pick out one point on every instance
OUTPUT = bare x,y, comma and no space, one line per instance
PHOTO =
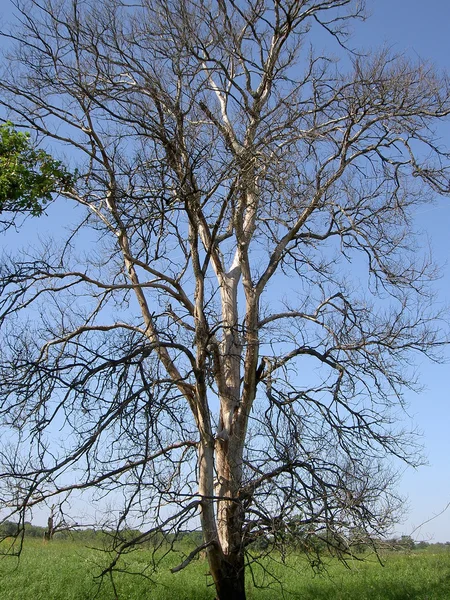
63,570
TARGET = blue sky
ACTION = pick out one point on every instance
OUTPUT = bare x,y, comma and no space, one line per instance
419,29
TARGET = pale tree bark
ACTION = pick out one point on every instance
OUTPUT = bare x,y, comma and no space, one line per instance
198,340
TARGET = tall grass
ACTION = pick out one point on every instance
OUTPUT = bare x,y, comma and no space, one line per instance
63,570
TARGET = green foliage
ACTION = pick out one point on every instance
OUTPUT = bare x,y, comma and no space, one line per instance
34,531
28,176
8,528
404,543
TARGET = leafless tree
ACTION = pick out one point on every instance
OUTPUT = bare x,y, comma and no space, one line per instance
227,331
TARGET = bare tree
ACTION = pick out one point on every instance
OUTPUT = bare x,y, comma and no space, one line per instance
228,330
57,522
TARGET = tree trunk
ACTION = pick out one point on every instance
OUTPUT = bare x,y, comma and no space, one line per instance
48,534
229,575
222,520
229,571
221,456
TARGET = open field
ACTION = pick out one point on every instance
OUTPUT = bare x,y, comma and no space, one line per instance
63,570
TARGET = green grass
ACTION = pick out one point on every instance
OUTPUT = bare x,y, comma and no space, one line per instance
64,570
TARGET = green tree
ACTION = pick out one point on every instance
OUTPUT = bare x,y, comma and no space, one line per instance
29,177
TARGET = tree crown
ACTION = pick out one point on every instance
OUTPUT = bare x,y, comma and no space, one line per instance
28,176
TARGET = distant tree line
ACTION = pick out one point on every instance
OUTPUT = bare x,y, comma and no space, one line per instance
75,532
308,542
406,542
11,529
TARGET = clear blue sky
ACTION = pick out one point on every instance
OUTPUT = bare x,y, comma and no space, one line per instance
421,29
418,29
